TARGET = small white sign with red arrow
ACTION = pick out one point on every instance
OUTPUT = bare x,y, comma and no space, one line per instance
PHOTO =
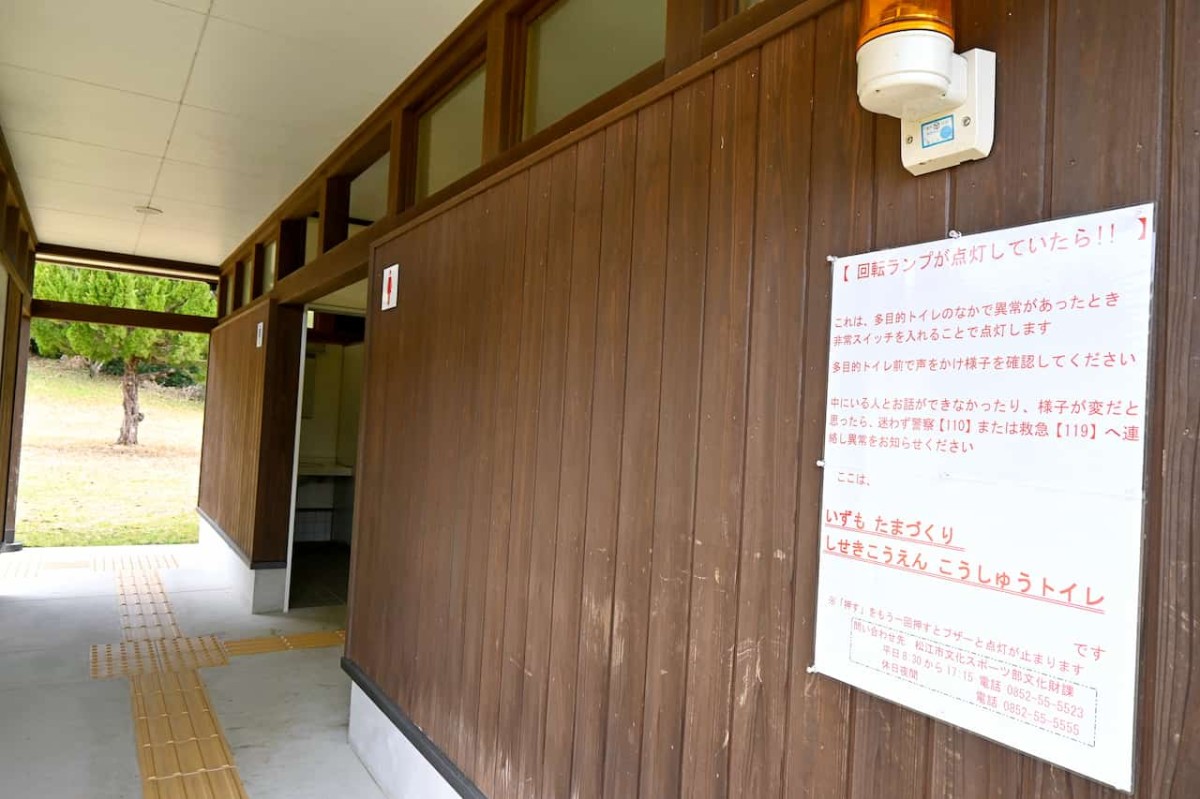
391,276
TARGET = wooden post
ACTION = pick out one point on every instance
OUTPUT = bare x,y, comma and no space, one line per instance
12,229
290,255
258,270
239,284
334,227
3,205
397,170
18,428
10,393
502,103
687,22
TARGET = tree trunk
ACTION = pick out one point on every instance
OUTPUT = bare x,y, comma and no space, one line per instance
94,368
130,382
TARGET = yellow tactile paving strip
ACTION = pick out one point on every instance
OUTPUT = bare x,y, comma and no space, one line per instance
284,643
145,612
186,654
139,657
144,564
182,752
126,659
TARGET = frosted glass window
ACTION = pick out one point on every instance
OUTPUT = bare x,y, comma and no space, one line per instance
270,264
369,191
311,231
450,136
579,49
246,270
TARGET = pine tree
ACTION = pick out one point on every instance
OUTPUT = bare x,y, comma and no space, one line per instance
137,348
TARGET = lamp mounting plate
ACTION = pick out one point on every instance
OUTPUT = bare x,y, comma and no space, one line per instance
947,138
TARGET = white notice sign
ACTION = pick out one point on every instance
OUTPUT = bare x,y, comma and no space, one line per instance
983,487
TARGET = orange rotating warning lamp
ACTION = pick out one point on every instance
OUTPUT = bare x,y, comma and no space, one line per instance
907,68
881,17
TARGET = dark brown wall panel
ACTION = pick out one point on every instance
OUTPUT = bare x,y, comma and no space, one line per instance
232,426
608,424
717,531
678,426
777,312
586,544
516,595
509,251
841,198
250,428
273,504
639,453
14,357
18,430
1171,733
547,476
571,512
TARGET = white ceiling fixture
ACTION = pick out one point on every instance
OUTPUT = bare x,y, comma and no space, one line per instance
208,111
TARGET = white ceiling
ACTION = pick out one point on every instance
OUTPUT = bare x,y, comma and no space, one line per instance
212,110
350,300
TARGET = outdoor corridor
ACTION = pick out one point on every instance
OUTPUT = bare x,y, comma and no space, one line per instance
135,672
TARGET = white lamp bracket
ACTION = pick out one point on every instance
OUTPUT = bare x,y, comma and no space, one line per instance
946,102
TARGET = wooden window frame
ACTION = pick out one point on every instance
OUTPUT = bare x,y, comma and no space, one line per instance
524,14
376,145
466,64
494,36
725,24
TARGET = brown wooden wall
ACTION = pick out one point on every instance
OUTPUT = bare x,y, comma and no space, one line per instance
585,554
250,428
14,360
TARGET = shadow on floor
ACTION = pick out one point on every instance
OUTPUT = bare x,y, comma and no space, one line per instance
320,574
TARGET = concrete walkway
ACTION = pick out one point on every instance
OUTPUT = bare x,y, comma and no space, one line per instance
279,717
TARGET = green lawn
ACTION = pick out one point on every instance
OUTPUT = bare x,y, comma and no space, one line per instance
79,489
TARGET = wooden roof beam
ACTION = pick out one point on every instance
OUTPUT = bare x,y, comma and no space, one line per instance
121,317
120,262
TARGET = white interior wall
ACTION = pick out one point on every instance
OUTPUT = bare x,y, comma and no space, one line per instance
319,422
328,436
350,402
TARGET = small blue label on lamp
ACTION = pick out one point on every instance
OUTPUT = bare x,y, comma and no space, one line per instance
937,131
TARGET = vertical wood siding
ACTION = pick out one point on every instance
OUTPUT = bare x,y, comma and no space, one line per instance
250,428
585,559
